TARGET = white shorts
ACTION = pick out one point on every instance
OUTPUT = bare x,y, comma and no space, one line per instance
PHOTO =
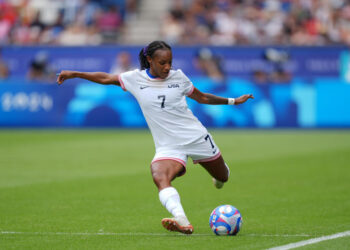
202,150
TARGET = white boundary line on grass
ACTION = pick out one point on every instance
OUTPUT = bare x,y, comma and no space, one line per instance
143,234
311,241
88,234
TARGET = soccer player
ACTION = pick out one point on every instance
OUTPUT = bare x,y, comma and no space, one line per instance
161,93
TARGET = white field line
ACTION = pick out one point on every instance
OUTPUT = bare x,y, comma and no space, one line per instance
140,234
279,235
312,241
87,234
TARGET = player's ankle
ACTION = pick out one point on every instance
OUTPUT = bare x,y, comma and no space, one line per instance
182,220
218,184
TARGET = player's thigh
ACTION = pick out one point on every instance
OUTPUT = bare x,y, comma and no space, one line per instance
217,168
166,170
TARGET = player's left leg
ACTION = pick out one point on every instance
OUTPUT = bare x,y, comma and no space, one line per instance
218,170
163,172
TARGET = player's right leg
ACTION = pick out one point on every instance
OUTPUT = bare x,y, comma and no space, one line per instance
218,170
205,152
163,172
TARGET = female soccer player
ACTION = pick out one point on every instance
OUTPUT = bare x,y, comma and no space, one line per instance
161,93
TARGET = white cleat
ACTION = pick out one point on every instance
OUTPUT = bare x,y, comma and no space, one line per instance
218,184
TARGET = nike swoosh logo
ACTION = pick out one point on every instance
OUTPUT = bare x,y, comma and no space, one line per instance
214,151
143,87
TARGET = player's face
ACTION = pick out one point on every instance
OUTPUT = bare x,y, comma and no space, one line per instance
160,63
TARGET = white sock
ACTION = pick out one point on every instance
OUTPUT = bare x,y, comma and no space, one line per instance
170,199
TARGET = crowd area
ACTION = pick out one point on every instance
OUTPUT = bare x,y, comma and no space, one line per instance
258,22
63,22
188,22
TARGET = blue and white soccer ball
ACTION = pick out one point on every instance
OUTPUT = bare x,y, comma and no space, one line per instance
225,220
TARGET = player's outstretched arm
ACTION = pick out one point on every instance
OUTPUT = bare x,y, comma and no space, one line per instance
98,77
207,98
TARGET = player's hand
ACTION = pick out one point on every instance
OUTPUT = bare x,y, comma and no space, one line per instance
243,98
64,75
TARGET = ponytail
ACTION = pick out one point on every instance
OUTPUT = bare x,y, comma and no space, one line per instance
149,51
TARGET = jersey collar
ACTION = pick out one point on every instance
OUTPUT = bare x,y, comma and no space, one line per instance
155,78
150,75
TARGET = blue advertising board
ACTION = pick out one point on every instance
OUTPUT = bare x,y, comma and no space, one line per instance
235,61
33,105
296,105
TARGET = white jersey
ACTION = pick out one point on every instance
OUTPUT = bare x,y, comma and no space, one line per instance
163,103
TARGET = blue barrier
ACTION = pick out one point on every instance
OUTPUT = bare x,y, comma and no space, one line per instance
299,104
236,61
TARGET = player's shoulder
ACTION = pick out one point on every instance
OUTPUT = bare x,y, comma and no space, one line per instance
176,72
131,73
177,75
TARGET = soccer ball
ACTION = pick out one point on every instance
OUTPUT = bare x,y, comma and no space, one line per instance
225,220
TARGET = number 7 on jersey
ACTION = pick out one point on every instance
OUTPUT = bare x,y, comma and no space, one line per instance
163,101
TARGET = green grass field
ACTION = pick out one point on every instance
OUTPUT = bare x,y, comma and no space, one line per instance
90,189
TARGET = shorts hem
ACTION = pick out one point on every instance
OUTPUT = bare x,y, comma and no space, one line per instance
208,159
170,158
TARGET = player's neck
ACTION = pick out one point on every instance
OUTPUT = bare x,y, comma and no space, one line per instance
150,75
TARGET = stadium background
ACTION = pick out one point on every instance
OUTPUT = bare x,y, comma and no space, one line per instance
292,55
90,188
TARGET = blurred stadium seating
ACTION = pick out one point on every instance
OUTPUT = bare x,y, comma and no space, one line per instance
66,22
255,22
206,22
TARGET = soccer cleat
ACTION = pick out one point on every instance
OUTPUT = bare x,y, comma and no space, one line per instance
177,225
218,184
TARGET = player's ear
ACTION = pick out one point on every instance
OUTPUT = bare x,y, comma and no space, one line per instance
149,59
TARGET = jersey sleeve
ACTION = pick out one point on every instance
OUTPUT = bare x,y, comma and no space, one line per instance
126,80
188,86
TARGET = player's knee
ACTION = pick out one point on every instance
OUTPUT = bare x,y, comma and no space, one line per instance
160,178
157,177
